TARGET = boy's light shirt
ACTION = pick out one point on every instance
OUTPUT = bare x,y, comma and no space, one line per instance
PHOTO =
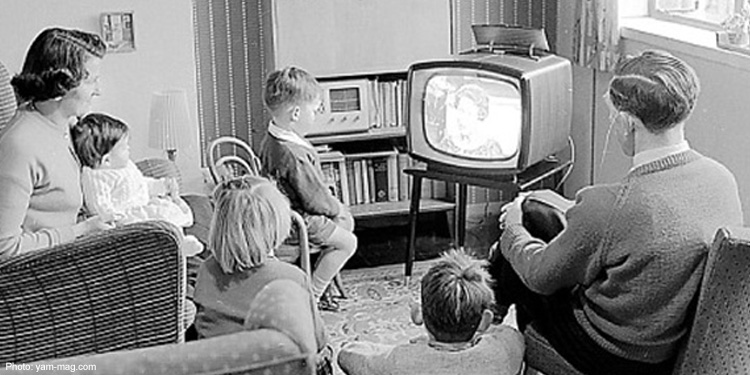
288,135
645,157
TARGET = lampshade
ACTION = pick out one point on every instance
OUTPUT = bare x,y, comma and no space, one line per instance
169,120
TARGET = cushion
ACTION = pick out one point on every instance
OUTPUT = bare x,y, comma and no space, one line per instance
285,306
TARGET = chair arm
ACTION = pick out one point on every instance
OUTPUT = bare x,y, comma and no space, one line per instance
119,289
263,351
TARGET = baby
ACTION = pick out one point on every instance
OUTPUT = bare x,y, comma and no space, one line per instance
112,184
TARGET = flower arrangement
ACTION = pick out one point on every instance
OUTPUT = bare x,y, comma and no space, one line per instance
737,26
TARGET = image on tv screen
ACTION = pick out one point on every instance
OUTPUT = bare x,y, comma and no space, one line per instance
471,116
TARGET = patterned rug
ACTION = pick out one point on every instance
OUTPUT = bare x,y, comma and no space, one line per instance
377,307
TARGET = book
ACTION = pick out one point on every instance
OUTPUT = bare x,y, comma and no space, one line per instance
350,182
333,165
379,178
365,181
393,177
358,181
403,178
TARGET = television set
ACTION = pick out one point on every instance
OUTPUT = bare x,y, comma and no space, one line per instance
488,112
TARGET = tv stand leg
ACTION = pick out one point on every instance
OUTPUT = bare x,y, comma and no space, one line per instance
460,220
416,196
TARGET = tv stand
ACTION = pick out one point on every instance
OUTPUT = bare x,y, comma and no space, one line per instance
511,184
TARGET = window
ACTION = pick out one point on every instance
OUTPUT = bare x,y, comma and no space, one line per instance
702,13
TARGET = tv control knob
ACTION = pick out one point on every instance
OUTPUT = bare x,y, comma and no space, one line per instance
330,119
343,118
356,118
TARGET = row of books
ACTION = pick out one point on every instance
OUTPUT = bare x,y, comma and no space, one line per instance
374,177
388,100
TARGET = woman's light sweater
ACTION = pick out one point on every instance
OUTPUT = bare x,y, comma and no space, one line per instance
40,192
636,250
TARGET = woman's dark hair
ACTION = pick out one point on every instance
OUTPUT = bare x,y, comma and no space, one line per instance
55,63
94,136
656,87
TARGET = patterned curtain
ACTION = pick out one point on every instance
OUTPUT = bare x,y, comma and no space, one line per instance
234,53
597,34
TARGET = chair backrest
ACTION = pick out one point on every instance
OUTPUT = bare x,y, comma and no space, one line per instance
7,97
239,161
719,341
119,289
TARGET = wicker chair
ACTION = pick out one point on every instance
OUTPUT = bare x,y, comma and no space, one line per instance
241,160
7,97
719,341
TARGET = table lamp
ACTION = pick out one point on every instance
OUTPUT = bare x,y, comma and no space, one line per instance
169,121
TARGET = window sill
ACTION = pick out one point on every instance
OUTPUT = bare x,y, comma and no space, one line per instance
681,39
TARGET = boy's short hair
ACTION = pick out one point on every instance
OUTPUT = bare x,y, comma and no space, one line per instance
656,87
251,218
455,292
94,136
290,86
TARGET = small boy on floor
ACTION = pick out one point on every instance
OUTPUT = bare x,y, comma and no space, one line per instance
456,310
293,98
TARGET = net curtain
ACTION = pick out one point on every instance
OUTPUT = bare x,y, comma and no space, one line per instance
596,34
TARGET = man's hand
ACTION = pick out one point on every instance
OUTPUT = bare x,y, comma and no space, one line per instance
511,212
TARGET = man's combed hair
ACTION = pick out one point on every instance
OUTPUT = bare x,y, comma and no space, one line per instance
95,135
455,292
658,88
251,218
55,62
289,86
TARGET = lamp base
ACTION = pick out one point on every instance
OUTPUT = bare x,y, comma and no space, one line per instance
172,155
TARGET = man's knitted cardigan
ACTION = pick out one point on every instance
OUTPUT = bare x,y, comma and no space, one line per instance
635,251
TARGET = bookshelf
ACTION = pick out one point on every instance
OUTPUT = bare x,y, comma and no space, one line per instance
368,48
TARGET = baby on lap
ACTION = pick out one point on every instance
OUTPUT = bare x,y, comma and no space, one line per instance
112,184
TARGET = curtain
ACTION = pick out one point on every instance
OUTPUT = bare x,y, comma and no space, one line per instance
234,53
597,34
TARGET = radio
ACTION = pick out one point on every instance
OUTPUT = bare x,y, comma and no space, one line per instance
346,107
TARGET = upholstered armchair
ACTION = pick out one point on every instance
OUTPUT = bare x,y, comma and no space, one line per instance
719,341
280,340
115,290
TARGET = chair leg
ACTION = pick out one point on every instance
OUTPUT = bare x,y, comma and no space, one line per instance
340,286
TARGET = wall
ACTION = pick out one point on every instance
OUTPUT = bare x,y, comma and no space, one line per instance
163,59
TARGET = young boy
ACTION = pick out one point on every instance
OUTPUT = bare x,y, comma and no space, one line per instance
456,303
292,97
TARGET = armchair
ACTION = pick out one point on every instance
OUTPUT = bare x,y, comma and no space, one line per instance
280,340
720,336
115,290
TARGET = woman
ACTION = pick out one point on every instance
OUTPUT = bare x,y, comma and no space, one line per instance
40,192
612,291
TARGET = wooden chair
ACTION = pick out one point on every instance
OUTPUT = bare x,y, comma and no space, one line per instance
242,161
719,341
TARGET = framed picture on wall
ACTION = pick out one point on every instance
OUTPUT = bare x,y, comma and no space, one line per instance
118,32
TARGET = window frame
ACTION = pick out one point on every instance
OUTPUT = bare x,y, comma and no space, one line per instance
689,21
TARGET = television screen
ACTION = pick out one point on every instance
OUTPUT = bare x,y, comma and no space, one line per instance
472,116
488,113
